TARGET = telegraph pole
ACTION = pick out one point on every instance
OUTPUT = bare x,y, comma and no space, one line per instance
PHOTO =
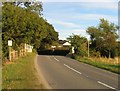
88,48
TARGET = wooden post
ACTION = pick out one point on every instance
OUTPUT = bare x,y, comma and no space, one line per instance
9,53
10,44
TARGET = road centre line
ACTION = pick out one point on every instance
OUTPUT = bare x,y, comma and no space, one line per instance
49,58
105,85
56,59
72,69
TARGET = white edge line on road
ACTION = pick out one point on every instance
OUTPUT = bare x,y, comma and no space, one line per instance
105,85
72,69
56,59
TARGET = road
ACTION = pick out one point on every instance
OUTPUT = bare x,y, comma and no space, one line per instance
64,73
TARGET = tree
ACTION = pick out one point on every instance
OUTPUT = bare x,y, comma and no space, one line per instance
22,25
79,44
103,37
51,38
30,5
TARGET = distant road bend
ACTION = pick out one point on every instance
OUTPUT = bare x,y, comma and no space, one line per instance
64,73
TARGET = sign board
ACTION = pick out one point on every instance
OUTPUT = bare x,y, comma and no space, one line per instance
9,42
73,50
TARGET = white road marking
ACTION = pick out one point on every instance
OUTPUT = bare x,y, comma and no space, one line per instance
56,59
72,69
49,58
105,85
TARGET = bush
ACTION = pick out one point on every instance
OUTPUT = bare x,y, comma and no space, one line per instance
94,53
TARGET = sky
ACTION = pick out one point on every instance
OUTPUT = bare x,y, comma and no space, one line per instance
75,17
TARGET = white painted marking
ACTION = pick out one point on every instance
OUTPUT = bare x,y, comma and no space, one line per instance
105,85
49,58
56,59
72,69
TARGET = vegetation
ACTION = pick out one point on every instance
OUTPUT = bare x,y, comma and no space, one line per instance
25,25
104,63
104,49
103,38
21,74
103,41
79,43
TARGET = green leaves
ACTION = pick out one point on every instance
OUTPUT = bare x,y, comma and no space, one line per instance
79,43
103,37
22,25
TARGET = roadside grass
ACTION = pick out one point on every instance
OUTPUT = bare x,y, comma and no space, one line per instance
103,63
21,74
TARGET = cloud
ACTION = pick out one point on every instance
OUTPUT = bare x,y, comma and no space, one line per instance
85,19
67,24
66,29
78,11
93,17
84,5
64,24
64,33
76,17
100,5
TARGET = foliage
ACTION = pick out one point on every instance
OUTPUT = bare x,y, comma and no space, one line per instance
104,37
33,6
22,25
50,39
79,44
118,49
94,53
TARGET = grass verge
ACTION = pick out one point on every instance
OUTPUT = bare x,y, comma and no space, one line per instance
21,74
103,65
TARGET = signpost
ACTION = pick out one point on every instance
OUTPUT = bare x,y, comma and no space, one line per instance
73,50
10,44
53,47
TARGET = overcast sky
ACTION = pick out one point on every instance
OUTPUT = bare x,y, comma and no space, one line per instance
75,17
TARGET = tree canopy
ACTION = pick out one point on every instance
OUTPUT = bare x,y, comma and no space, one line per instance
23,25
79,44
104,38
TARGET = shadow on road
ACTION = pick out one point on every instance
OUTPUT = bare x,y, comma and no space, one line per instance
55,52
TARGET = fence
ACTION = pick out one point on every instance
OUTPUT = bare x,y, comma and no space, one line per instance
24,49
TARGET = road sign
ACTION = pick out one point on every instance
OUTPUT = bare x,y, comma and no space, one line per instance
9,42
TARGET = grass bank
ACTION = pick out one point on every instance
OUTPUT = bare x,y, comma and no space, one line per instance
21,74
103,63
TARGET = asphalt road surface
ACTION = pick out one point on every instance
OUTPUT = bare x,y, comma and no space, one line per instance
64,73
